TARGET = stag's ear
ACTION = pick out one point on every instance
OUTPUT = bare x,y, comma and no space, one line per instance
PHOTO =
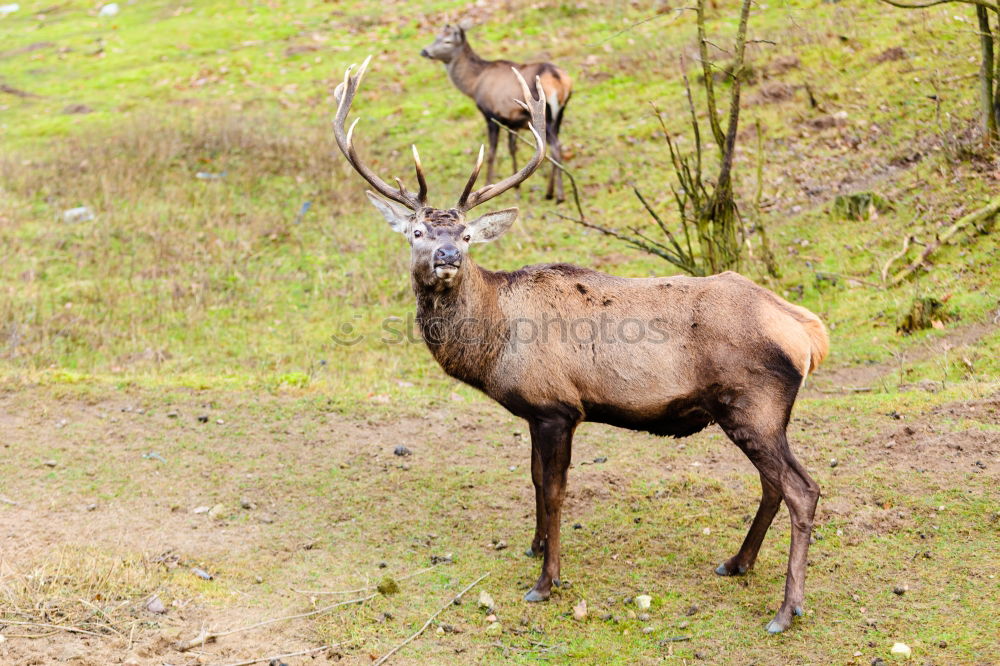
397,216
491,226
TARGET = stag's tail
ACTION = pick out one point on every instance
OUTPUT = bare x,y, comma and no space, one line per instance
819,340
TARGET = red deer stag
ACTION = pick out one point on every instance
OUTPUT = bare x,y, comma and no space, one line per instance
666,355
493,88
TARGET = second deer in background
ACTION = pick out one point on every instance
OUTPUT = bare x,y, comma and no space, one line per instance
493,87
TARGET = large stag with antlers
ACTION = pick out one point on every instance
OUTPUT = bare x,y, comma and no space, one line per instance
665,355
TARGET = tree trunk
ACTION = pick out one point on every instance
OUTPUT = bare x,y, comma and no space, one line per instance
986,94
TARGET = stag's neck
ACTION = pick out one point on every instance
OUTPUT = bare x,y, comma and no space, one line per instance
465,70
464,327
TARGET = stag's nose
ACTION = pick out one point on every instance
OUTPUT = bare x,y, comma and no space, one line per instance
447,254
424,53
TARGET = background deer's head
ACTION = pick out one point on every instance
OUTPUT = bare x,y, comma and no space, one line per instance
447,44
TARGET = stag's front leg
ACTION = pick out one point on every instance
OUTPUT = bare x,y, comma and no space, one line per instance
541,521
555,437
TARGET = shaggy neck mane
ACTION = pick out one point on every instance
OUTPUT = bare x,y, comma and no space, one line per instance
464,327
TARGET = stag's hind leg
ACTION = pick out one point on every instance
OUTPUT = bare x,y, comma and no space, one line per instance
743,561
767,449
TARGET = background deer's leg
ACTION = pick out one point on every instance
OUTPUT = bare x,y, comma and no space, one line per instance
555,177
512,147
743,561
493,133
555,437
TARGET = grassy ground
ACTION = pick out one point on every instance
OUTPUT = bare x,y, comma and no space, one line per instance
218,297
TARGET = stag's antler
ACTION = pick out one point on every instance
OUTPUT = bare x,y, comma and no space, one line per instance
537,126
345,95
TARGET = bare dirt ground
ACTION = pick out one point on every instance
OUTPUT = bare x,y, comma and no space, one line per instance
110,498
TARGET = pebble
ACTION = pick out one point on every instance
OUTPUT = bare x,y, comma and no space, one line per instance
245,503
154,605
901,650
580,610
834,462
647,630
683,625
201,573
643,601
217,512
899,591
51,463
401,451
203,418
691,611
172,415
643,617
486,601
494,629
201,509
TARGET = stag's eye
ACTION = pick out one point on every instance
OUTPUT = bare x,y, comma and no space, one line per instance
467,238
417,233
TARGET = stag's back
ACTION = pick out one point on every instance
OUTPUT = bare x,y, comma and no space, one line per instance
638,344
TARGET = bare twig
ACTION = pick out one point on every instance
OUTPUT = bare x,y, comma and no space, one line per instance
279,657
896,257
206,636
677,12
4,500
61,627
384,658
367,587
556,164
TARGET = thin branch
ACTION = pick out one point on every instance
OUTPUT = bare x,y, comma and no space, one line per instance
558,165
896,257
279,657
208,637
713,114
384,658
925,5
61,627
367,587
4,500
621,32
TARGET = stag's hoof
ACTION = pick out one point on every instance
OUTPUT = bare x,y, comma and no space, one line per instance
535,549
535,595
783,620
725,569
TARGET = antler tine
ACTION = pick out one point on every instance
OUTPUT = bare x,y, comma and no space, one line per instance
535,107
472,181
422,194
344,94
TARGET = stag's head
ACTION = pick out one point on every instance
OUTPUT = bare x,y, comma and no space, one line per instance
439,237
447,44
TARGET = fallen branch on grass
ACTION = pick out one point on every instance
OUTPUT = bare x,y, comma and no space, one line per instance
61,627
276,658
206,636
4,500
384,658
896,257
981,215
367,587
